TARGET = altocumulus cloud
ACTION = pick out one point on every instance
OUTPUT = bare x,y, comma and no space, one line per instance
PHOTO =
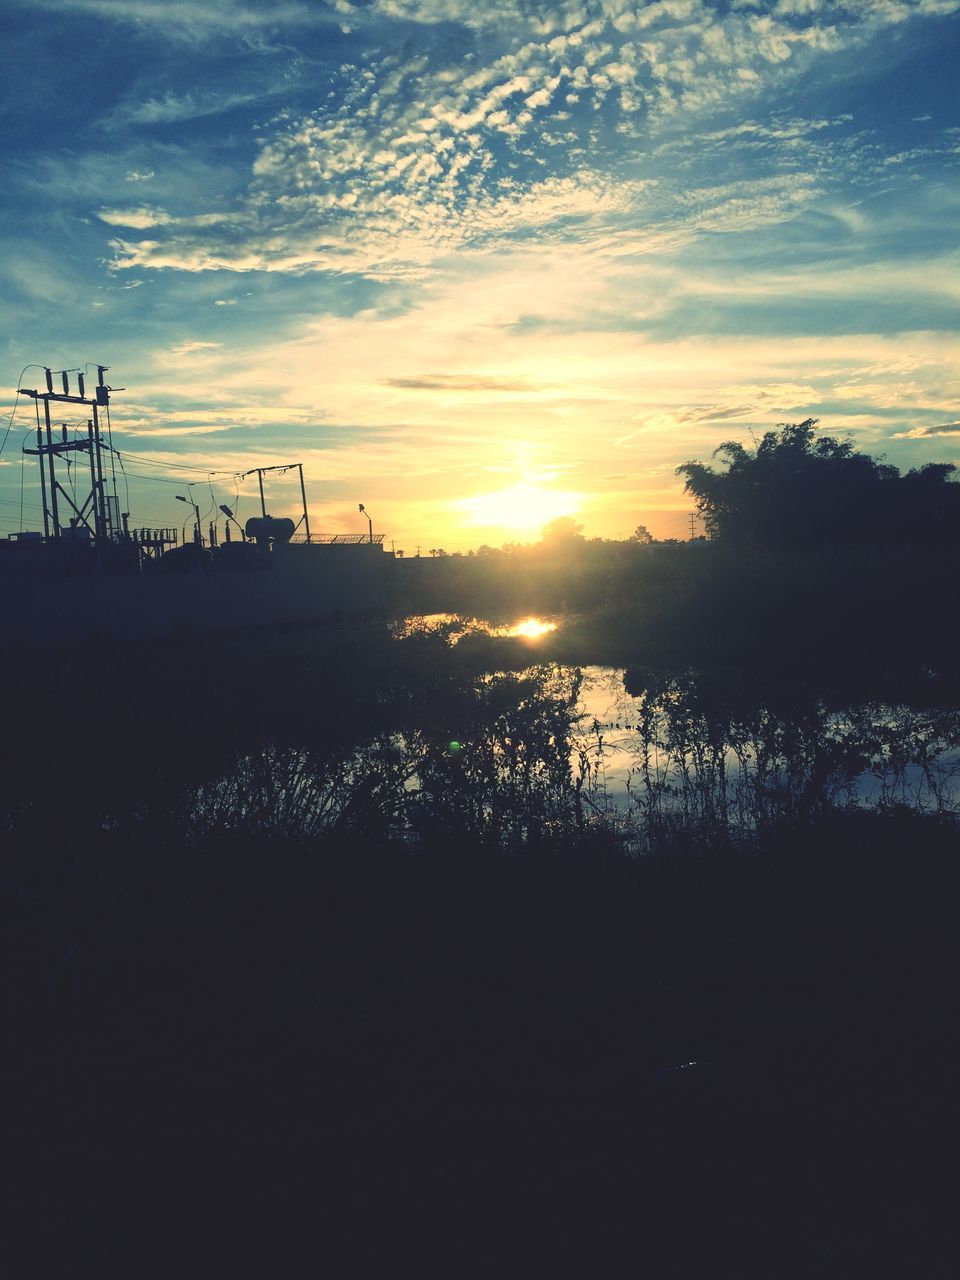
455,126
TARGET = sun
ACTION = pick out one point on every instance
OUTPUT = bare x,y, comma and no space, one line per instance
522,509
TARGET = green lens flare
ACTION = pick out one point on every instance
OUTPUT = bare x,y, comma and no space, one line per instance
453,747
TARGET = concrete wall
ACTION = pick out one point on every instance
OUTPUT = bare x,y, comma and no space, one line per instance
304,585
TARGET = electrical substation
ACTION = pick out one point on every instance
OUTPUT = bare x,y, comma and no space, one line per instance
93,570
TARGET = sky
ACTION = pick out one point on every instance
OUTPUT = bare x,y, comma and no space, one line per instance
477,263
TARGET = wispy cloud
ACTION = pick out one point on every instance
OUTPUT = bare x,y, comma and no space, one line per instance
173,108
196,20
919,433
459,382
139,218
188,348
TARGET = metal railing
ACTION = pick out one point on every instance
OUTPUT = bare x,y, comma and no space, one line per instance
339,539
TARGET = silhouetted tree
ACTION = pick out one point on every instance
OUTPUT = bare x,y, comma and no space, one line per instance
642,535
799,489
563,529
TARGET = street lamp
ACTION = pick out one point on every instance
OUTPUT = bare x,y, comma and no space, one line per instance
369,521
197,534
230,516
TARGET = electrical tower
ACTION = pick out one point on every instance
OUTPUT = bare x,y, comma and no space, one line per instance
99,513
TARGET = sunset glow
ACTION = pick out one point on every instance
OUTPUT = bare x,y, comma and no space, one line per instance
521,510
480,266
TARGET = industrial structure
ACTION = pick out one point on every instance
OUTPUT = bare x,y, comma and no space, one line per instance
94,572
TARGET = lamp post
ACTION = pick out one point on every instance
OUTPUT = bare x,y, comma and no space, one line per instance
230,516
197,532
369,521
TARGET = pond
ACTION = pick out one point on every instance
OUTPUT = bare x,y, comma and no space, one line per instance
508,757
457,731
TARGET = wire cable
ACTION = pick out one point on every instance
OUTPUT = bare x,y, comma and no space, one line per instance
13,411
126,482
177,466
156,479
9,502
213,503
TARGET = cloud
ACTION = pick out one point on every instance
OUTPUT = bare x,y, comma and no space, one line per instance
920,433
188,347
193,21
140,218
163,429
144,218
459,382
173,108
414,154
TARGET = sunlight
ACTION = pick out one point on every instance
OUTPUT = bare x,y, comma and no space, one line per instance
531,628
522,509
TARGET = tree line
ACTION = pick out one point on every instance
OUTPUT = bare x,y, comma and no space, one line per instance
800,489
817,556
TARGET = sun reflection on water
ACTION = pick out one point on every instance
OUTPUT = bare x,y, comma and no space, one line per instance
531,628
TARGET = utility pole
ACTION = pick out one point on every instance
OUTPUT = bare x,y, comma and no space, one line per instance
282,466
197,532
303,499
693,526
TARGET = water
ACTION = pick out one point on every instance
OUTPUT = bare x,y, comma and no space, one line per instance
507,757
459,627
672,750
868,753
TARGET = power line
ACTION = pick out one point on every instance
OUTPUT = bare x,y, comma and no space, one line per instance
126,482
179,484
13,411
176,466
30,506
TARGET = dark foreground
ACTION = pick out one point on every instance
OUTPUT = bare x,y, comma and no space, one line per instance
345,1060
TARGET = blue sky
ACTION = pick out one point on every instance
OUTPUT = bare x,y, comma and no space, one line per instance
480,264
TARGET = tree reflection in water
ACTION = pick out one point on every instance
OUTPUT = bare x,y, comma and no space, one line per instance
487,759
712,755
511,760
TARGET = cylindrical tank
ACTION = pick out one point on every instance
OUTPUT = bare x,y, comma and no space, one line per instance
262,528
